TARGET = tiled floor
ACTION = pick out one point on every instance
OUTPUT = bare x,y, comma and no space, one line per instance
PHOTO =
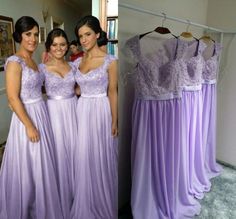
220,203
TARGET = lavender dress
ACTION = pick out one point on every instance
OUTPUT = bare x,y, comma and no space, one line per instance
96,155
61,103
190,54
28,184
159,189
209,112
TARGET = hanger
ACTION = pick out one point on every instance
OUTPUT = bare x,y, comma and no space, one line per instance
207,38
160,29
188,34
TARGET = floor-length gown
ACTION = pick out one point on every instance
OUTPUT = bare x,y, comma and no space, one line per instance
28,184
61,104
159,191
209,97
96,177
191,79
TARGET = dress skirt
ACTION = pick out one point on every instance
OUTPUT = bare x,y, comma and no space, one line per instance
193,158
156,152
213,169
28,184
96,177
62,114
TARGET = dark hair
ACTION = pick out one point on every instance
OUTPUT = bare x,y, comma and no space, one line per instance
23,24
102,40
56,32
73,42
90,21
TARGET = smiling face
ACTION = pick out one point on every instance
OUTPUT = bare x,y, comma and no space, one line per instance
88,38
59,47
30,39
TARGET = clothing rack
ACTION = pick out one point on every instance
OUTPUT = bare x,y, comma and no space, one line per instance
161,14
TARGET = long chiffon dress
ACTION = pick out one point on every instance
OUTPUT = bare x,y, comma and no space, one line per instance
209,97
96,176
190,54
28,186
61,104
159,189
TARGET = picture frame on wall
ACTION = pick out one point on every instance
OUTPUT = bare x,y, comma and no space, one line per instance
7,44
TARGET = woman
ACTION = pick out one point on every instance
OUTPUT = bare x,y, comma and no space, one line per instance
61,102
75,52
96,154
28,184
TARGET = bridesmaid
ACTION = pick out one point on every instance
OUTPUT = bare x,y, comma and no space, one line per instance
96,154
61,102
28,184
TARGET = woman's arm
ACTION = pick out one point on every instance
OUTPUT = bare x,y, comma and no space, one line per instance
113,95
13,86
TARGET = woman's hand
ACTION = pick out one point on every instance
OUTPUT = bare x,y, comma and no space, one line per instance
114,129
32,134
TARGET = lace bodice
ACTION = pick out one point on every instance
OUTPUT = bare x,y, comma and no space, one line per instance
156,76
56,85
31,80
211,66
192,63
94,82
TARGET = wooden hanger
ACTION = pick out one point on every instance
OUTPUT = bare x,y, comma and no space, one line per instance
161,29
187,34
207,38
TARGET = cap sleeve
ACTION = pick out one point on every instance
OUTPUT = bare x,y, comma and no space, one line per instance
14,58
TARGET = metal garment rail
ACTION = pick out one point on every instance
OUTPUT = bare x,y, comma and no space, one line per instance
161,14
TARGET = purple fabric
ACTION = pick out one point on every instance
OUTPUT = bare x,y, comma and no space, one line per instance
209,112
95,158
211,65
192,158
189,56
209,130
28,184
191,80
157,77
62,114
159,187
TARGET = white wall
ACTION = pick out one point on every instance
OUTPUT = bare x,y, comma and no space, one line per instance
130,24
221,14
15,9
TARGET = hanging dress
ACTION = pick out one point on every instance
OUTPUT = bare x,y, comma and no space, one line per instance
28,184
192,161
61,104
96,171
157,188
209,97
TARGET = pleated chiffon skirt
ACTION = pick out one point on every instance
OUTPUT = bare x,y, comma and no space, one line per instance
193,158
96,172
28,184
62,114
157,184
209,98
